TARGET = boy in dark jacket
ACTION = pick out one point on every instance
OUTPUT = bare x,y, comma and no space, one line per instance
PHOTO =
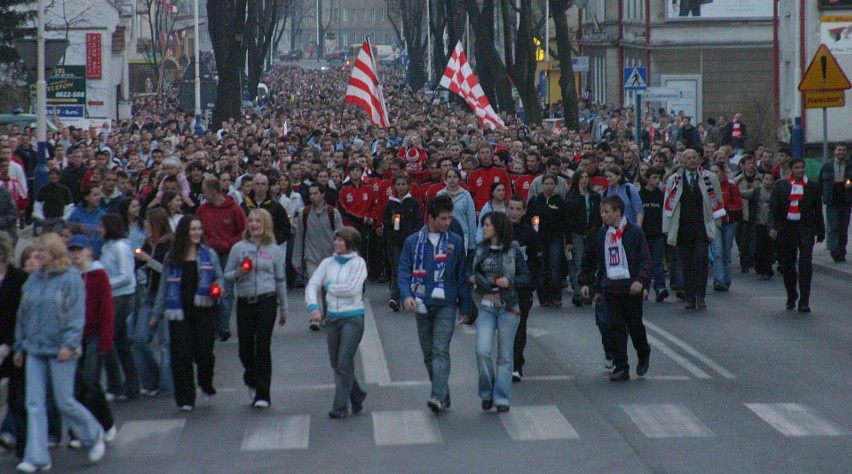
401,219
623,274
586,279
652,226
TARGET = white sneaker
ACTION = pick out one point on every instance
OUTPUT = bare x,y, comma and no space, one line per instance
110,434
516,376
261,404
30,467
75,444
148,393
186,408
98,450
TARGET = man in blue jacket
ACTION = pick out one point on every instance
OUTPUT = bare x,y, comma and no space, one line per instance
433,282
623,273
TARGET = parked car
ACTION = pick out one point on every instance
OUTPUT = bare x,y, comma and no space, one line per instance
292,55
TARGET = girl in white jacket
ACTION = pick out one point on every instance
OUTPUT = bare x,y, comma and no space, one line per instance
342,275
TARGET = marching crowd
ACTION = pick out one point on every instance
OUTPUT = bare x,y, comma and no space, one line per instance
155,230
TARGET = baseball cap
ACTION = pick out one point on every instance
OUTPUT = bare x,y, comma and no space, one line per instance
78,241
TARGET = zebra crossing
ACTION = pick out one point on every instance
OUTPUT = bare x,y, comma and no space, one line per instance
522,424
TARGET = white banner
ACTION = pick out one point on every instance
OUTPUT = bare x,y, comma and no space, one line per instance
836,33
718,9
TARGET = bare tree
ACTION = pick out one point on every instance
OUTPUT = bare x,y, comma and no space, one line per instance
408,18
492,73
558,9
519,52
323,27
260,27
285,9
227,23
301,10
448,16
160,21
68,17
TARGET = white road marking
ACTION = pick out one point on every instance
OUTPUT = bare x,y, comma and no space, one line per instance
147,437
282,388
396,428
666,421
681,360
372,352
792,419
534,332
288,432
406,383
666,377
537,423
691,351
546,378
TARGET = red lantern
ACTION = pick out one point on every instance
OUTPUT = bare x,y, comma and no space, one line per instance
246,265
215,291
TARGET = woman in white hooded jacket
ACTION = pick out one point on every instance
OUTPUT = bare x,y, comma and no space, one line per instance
342,275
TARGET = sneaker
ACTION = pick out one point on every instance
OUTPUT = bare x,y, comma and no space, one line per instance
30,467
224,335
394,305
621,375
260,404
75,444
148,393
681,295
252,393
186,408
434,405
662,295
110,397
608,362
314,326
358,405
110,434
337,415
487,404
502,408
577,300
516,376
98,450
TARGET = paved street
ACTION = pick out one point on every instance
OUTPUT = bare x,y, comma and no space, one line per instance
744,386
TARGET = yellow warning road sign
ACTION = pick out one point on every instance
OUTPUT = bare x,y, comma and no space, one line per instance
820,100
824,74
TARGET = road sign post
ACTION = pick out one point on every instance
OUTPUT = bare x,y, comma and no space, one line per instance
824,85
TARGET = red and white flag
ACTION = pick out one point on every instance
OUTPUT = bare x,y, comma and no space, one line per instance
364,89
459,78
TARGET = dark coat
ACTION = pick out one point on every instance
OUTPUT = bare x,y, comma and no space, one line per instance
10,295
810,207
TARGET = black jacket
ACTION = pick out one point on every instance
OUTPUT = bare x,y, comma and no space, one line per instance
553,216
410,221
527,240
280,219
810,206
576,208
10,295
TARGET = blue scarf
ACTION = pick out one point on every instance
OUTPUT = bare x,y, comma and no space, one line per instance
418,275
174,308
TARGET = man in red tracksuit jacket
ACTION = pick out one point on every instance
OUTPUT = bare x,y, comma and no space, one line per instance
356,204
481,179
223,221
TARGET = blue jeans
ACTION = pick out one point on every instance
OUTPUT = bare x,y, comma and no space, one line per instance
343,336
41,370
578,241
722,247
657,247
604,326
496,387
153,375
837,218
121,359
226,303
435,331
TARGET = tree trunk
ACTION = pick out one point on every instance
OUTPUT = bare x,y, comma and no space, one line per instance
558,9
489,68
416,68
524,65
227,24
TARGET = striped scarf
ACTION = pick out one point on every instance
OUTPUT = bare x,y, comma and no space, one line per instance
797,192
174,307
418,275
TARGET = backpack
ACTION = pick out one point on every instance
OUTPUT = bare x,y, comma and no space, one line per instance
329,211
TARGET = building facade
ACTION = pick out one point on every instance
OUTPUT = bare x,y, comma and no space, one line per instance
721,59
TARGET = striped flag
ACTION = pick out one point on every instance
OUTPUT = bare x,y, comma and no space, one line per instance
364,89
459,78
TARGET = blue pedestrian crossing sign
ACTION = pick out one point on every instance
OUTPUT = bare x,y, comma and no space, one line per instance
635,78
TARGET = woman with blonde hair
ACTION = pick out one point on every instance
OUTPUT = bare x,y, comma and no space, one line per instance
342,275
256,264
49,333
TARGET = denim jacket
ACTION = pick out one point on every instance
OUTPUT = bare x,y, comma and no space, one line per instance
52,313
510,264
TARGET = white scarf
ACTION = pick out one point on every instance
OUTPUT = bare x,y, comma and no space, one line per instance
616,257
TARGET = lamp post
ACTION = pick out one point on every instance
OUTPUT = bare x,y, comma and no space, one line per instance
196,49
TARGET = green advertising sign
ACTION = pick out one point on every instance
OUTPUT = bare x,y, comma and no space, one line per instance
67,86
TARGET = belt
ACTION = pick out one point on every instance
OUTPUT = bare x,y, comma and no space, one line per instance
254,299
488,303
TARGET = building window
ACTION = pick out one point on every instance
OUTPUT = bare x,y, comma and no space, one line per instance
599,79
595,10
345,15
633,9
381,15
373,14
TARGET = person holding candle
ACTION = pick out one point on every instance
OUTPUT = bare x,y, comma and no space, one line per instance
189,290
256,264
547,211
401,219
